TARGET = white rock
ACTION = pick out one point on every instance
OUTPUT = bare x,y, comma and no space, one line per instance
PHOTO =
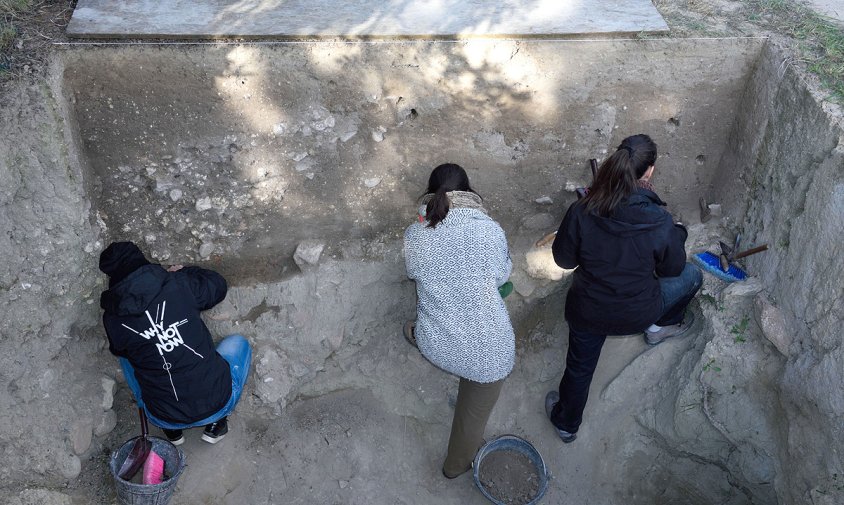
540,265
714,209
308,253
544,200
343,484
206,249
348,135
377,135
324,124
175,194
279,129
372,182
203,204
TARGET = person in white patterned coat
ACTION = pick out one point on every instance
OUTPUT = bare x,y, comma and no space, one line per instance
458,257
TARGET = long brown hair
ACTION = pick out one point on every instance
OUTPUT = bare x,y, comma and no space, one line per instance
618,175
444,178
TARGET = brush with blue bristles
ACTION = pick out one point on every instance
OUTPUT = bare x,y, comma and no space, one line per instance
721,265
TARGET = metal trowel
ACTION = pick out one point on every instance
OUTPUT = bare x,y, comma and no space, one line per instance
140,451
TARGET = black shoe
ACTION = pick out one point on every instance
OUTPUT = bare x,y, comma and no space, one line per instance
551,400
174,436
215,432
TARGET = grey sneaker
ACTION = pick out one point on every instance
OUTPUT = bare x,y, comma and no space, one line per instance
551,399
675,330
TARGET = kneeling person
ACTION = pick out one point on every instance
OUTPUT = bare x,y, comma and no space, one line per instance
166,351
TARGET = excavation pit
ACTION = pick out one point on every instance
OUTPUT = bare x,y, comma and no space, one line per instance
233,156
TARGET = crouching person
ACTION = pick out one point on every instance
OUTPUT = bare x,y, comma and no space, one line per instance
168,357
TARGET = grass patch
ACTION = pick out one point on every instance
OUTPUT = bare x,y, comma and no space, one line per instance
739,330
10,10
7,35
822,40
710,365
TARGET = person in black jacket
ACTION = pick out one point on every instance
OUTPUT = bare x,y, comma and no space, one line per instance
168,357
631,273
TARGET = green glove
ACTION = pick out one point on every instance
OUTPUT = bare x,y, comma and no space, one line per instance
505,289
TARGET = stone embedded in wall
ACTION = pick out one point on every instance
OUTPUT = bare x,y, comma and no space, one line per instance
307,253
273,383
68,465
522,284
203,204
772,322
741,289
109,387
206,249
81,433
104,423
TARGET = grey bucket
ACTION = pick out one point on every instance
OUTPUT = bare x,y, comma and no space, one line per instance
517,444
129,493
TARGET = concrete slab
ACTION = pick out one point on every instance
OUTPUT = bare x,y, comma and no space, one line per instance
831,8
298,19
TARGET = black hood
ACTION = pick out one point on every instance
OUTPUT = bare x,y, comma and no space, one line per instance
119,260
133,295
634,215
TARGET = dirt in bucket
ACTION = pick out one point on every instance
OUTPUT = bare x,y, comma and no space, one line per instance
509,477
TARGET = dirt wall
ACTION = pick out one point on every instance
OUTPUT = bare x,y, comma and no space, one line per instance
55,395
234,154
761,396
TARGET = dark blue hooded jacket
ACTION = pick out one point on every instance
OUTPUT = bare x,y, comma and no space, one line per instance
614,289
152,319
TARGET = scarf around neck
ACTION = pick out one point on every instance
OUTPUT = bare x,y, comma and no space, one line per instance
458,200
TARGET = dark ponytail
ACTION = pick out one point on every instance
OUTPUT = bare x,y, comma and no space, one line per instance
444,178
619,174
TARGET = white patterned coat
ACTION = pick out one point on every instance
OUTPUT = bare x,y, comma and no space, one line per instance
462,323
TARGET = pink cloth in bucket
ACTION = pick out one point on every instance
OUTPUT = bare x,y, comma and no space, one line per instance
153,469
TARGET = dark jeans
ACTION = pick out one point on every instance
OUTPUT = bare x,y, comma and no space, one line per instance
677,293
585,348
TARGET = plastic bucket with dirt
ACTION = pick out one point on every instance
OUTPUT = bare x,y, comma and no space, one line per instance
131,493
510,471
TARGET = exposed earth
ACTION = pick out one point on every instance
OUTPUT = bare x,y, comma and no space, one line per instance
294,168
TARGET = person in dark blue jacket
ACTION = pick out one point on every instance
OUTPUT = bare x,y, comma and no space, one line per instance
631,272
168,357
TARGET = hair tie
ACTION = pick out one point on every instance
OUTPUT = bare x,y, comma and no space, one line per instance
626,148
